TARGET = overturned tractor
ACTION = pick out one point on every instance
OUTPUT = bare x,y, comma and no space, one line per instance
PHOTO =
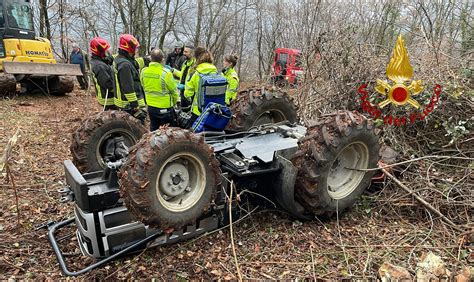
132,191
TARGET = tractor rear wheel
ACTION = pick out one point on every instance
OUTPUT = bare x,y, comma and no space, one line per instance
170,178
258,106
91,140
331,161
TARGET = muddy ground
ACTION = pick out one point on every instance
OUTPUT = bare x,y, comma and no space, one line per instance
385,226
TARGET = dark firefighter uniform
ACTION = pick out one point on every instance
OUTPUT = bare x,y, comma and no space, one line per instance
103,81
127,88
160,93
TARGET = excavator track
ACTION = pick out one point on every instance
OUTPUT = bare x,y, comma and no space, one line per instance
7,84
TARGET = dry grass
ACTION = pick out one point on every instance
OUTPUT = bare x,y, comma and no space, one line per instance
386,225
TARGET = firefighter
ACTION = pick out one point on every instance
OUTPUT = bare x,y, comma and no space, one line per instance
204,65
232,78
127,87
183,74
160,92
102,73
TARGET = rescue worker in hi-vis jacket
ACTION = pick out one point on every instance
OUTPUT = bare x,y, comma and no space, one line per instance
183,74
160,92
232,78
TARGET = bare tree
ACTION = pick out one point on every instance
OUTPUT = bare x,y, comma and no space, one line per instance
197,34
45,27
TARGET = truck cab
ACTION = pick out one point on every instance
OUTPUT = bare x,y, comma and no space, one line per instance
286,67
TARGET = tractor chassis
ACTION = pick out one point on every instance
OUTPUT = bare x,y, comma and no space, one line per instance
106,230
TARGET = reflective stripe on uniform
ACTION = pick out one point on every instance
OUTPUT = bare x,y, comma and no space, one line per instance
141,62
118,94
102,101
141,103
131,97
157,83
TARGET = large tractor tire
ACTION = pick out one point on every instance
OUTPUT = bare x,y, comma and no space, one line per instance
259,106
7,84
170,178
90,140
331,159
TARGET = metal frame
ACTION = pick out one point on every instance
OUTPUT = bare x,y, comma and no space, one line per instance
52,228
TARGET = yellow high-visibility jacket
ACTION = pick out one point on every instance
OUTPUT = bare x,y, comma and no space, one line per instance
192,84
159,86
231,75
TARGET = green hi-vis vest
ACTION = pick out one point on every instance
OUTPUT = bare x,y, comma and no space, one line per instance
159,86
233,80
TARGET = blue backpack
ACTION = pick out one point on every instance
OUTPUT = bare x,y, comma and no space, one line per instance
212,88
215,117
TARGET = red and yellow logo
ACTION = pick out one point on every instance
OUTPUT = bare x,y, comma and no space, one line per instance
399,90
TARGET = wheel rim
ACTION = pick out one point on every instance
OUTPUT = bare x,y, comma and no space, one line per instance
181,182
129,141
344,176
271,116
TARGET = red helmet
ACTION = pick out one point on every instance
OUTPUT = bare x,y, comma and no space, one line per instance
128,43
99,46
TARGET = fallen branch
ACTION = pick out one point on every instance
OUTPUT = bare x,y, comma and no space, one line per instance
422,201
232,232
411,161
312,263
8,149
17,203
4,165
340,238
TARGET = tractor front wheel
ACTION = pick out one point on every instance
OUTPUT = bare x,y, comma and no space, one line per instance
170,178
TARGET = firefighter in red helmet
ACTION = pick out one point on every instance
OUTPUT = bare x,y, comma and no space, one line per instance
128,91
102,73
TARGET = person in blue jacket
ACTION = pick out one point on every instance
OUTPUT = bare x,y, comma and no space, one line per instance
79,57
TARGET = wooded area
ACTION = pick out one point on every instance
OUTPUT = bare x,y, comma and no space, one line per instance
253,29
417,222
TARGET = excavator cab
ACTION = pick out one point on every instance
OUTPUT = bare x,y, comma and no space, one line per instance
16,19
28,60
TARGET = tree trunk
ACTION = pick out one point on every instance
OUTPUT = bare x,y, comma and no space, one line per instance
123,16
242,38
45,27
197,34
259,40
63,31
165,25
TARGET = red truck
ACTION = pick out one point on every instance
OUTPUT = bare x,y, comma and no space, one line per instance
286,67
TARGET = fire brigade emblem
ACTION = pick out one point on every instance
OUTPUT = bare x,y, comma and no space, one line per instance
399,91
400,73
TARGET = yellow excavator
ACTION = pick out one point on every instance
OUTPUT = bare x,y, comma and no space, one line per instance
26,61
